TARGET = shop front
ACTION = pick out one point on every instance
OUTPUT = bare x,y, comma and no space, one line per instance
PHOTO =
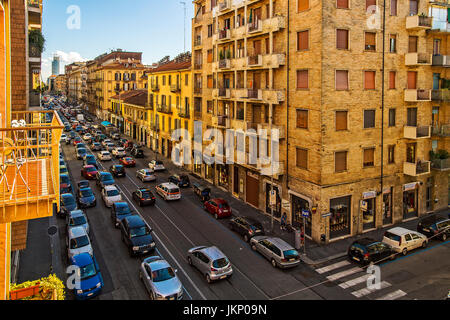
277,207
223,172
252,189
369,209
340,219
387,206
298,205
410,200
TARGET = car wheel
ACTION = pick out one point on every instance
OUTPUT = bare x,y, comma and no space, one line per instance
274,263
444,237
189,260
246,238
404,251
253,247
208,279
424,244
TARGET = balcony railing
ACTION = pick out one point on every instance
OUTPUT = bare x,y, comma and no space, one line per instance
443,61
225,64
415,95
221,121
224,34
184,113
175,87
255,61
442,130
155,87
29,165
164,108
417,132
34,52
440,95
34,3
254,94
224,93
417,59
197,90
255,26
441,164
418,22
416,169
224,5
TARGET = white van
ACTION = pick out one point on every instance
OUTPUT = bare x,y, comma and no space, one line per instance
404,240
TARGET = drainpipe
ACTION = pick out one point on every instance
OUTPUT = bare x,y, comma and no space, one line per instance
382,103
287,97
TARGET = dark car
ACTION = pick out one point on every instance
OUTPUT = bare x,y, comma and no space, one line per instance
80,145
180,180
89,159
218,207
127,162
83,184
86,198
144,197
246,227
137,153
68,204
203,192
117,170
119,210
136,235
367,250
89,172
435,226
81,152
91,280
65,185
104,179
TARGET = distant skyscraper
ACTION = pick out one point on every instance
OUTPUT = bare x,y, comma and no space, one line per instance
55,65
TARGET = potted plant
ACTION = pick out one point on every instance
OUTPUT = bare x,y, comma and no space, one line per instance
36,41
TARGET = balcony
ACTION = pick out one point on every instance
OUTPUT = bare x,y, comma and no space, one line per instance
255,27
417,95
197,90
221,121
440,164
29,175
197,65
197,41
441,61
440,95
184,113
224,34
225,64
418,23
417,132
254,94
34,54
416,169
418,59
155,87
175,87
224,93
224,5
266,126
164,108
441,130
255,61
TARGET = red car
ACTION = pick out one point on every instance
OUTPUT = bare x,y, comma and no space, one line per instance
76,141
89,172
127,162
218,207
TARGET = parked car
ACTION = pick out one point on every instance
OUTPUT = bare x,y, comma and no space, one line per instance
117,170
137,153
77,242
89,172
104,179
203,192
83,184
180,180
119,210
247,227
68,204
77,218
127,162
91,280
118,152
86,198
81,152
145,175
403,240
89,159
65,185
76,141
156,165
144,196
104,156
160,279
280,253
218,207
80,145
63,138
435,226
211,262
110,147
366,251
63,170
168,191
136,235
111,194
95,146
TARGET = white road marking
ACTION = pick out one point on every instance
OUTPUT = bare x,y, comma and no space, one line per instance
365,291
354,282
332,266
344,273
393,295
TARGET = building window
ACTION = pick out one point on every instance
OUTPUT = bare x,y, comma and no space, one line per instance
391,154
302,158
303,40
164,80
341,120
209,107
210,82
369,119
369,41
340,161
341,39
412,44
302,119
342,4
302,79
303,5
341,80
370,3
392,75
393,7
393,43
369,80
392,113
369,157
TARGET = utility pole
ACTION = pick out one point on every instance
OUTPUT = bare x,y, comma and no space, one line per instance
184,23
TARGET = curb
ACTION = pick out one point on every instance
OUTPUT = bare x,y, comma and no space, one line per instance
309,261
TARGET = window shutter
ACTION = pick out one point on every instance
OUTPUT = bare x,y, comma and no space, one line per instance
369,79
342,4
412,44
302,119
341,79
391,79
302,158
370,40
303,5
340,161
341,39
302,79
369,118
393,7
341,120
412,76
370,3
303,41
369,157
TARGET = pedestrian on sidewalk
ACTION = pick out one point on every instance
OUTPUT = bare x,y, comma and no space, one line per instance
283,221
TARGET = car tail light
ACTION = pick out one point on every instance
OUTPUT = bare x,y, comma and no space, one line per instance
366,256
213,269
284,260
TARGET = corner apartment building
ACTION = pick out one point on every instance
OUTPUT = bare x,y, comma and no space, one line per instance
356,151
75,79
60,84
34,24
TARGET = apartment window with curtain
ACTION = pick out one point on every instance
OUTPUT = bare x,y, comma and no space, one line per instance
302,158
341,80
303,5
392,75
412,44
411,117
302,119
392,43
369,80
391,154
369,119
413,7
340,161
303,40
210,107
342,4
210,56
341,120
210,82
393,7
370,41
342,39
302,79
369,157
392,115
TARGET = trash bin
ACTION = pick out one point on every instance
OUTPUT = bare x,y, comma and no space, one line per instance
298,238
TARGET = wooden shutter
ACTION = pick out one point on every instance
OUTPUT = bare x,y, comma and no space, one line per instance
412,79
302,119
302,158
369,118
210,56
210,82
342,4
341,80
393,7
340,161
370,41
341,39
370,3
413,7
341,120
412,44
369,155
303,5
369,79
391,79
302,40
302,79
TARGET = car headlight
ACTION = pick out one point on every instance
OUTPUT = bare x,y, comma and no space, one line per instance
98,285
135,248
79,291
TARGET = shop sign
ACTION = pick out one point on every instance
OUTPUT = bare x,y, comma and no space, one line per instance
369,195
305,213
409,186
326,215
286,204
363,205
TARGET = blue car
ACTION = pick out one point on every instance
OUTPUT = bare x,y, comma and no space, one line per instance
89,159
86,198
119,210
68,204
64,185
104,179
81,152
91,280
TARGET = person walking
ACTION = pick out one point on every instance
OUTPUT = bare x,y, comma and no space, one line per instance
283,221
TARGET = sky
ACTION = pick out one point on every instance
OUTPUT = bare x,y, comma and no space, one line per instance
153,27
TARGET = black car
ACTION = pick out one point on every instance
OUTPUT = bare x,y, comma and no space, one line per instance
117,170
120,210
246,227
144,197
135,233
366,250
180,180
83,184
435,226
137,153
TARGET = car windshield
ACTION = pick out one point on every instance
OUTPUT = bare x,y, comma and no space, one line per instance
68,201
289,254
91,169
220,263
81,150
163,274
158,163
77,221
112,193
174,190
79,242
123,210
139,232
223,206
119,168
106,177
86,192
87,271
105,153
184,178
145,194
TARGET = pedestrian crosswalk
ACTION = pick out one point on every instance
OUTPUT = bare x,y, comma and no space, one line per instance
353,279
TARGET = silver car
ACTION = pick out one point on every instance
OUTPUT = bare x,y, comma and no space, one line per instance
146,175
78,242
77,218
211,262
280,253
160,279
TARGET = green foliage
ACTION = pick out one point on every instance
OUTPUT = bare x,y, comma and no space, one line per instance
439,155
37,40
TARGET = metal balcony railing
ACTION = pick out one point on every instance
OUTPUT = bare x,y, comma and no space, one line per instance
441,164
175,87
155,87
164,108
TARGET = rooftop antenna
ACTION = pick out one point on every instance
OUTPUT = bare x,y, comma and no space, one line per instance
184,6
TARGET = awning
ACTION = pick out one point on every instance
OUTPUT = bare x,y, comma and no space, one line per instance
106,123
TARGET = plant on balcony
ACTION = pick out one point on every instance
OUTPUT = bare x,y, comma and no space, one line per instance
50,288
221,55
439,155
36,40
228,54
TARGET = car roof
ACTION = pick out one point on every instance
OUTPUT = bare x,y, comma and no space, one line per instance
399,231
76,213
250,220
121,204
219,201
67,195
76,232
110,187
158,264
135,221
213,252
281,244
86,188
169,185
83,259
89,166
433,219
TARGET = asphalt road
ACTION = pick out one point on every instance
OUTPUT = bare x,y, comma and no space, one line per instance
180,225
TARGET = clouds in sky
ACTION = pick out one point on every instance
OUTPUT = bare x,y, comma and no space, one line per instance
66,58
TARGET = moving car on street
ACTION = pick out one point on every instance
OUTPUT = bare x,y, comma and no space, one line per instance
91,280
111,194
127,162
144,196
81,152
89,172
211,262
280,253
80,145
435,226
104,179
218,207
168,191
95,146
117,170
145,175
118,152
137,153
77,242
104,156
86,198
136,235
68,204
180,180
83,184
110,147
160,279
89,159
77,218
366,250
156,165
403,240
87,137
76,141
246,227
119,210
65,185
105,142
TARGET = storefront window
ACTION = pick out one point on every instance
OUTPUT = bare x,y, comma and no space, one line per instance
387,206
369,214
340,217
223,175
299,204
209,172
410,195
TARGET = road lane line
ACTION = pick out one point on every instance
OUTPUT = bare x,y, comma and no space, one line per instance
354,282
393,295
365,291
345,273
332,267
